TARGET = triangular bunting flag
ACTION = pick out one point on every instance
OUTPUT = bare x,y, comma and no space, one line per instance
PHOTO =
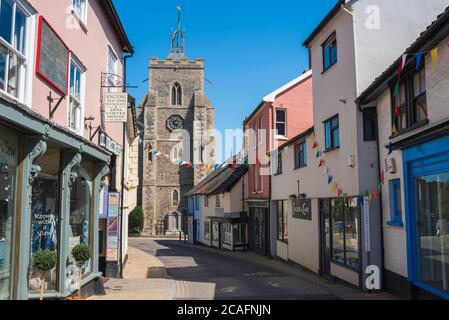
396,89
419,57
434,55
321,163
395,130
334,187
402,64
330,179
390,149
318,154
315,145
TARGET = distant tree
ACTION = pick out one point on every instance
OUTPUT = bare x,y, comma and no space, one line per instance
136,221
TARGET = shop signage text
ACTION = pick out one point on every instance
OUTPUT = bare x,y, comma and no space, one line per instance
110,145
302,209
116,107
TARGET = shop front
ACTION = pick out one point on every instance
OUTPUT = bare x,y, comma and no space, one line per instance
9,147
340,240
50,182
426,176
230,231
259,233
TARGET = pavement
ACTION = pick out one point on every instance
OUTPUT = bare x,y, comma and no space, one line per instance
166,269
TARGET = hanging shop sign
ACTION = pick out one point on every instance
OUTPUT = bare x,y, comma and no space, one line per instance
52,57
116,107
110,145
302,209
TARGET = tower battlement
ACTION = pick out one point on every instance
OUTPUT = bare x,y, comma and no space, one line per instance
169,62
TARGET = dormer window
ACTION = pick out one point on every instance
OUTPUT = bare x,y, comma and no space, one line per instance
176,95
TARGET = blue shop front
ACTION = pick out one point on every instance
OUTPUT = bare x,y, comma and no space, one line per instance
426,176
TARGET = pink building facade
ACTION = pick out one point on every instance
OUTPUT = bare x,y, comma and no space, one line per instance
282,115
59,156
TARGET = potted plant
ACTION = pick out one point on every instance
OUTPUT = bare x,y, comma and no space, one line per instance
44,261
81,253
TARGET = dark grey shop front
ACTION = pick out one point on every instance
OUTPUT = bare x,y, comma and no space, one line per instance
259,233
51,181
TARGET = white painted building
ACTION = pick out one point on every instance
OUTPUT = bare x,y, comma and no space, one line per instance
414,159
355,42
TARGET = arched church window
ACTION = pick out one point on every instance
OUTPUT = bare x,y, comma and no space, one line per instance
175,198
176,95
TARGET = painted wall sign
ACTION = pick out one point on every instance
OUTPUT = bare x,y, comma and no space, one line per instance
113,204
302,209
52,57
116,107
113,227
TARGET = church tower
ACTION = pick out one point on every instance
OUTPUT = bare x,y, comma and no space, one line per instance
178,122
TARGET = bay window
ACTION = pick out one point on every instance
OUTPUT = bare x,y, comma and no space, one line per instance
409,101
13,20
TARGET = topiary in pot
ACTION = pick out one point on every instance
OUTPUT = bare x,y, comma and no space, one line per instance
81,253
136,221
44,261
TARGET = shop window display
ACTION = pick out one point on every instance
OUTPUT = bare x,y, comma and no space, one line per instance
345,234
45,216
7,184
80,213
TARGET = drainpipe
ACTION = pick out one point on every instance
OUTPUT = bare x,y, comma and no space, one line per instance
122,198
382,256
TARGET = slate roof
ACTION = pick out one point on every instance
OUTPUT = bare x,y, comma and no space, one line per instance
222,180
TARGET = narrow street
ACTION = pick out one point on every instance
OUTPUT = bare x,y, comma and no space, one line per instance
165,269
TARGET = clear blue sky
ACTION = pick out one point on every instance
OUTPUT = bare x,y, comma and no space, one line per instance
251,47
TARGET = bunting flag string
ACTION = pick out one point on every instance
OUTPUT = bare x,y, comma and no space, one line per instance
336,188
198,166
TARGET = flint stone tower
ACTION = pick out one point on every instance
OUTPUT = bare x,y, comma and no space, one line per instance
177,118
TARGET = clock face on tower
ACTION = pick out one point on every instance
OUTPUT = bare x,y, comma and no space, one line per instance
175,122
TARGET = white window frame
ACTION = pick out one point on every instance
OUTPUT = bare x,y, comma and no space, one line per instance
25,84
111,53
82,15
280,136
81,100
259,128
